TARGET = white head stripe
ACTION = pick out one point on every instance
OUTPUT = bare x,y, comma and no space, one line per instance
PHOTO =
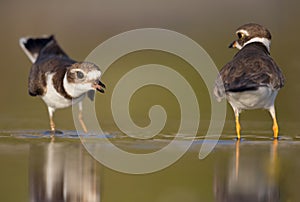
74,70
93,75
245,32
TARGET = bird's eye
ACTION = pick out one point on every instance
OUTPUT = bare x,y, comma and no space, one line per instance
240,35
79,74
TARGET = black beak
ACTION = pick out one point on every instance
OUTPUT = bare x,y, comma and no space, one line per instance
99,86
232,44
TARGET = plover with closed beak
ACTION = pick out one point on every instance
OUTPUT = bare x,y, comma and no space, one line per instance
252,79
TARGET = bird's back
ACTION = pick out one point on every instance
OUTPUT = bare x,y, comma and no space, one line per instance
251,68
47,57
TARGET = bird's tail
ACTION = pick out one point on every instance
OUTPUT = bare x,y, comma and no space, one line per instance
33,46
41,47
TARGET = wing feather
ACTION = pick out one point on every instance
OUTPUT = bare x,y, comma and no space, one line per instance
248,70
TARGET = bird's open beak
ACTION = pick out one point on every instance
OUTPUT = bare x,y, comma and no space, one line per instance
233,44
99,86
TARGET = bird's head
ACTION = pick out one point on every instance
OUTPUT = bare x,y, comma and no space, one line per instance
82,77
250,33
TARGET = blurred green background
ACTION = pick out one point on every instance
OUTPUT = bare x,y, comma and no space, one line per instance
80,26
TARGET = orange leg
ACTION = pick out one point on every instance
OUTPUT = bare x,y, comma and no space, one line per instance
80,118
52,125
275,125
237,126
275,128
82,122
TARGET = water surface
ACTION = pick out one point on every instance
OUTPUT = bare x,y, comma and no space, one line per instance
39,168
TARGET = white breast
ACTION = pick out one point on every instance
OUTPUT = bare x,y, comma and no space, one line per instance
53,99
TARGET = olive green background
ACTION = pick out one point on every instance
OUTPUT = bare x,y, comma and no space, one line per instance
80,26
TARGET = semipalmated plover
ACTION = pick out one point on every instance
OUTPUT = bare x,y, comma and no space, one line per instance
59,80
252,79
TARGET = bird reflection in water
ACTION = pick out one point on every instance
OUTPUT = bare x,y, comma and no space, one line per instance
63,172
249,175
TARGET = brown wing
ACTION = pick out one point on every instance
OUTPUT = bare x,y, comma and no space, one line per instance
37,76
50,57
251,68
252,73
36,81
52,48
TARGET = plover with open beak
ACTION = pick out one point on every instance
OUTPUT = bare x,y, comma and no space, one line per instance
59,80
252,79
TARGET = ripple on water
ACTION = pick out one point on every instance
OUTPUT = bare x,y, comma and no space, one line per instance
72,134
41,134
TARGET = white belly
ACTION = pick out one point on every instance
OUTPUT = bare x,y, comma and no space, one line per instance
263,98
54,99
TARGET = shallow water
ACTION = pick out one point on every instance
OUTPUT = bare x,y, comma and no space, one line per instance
39,168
